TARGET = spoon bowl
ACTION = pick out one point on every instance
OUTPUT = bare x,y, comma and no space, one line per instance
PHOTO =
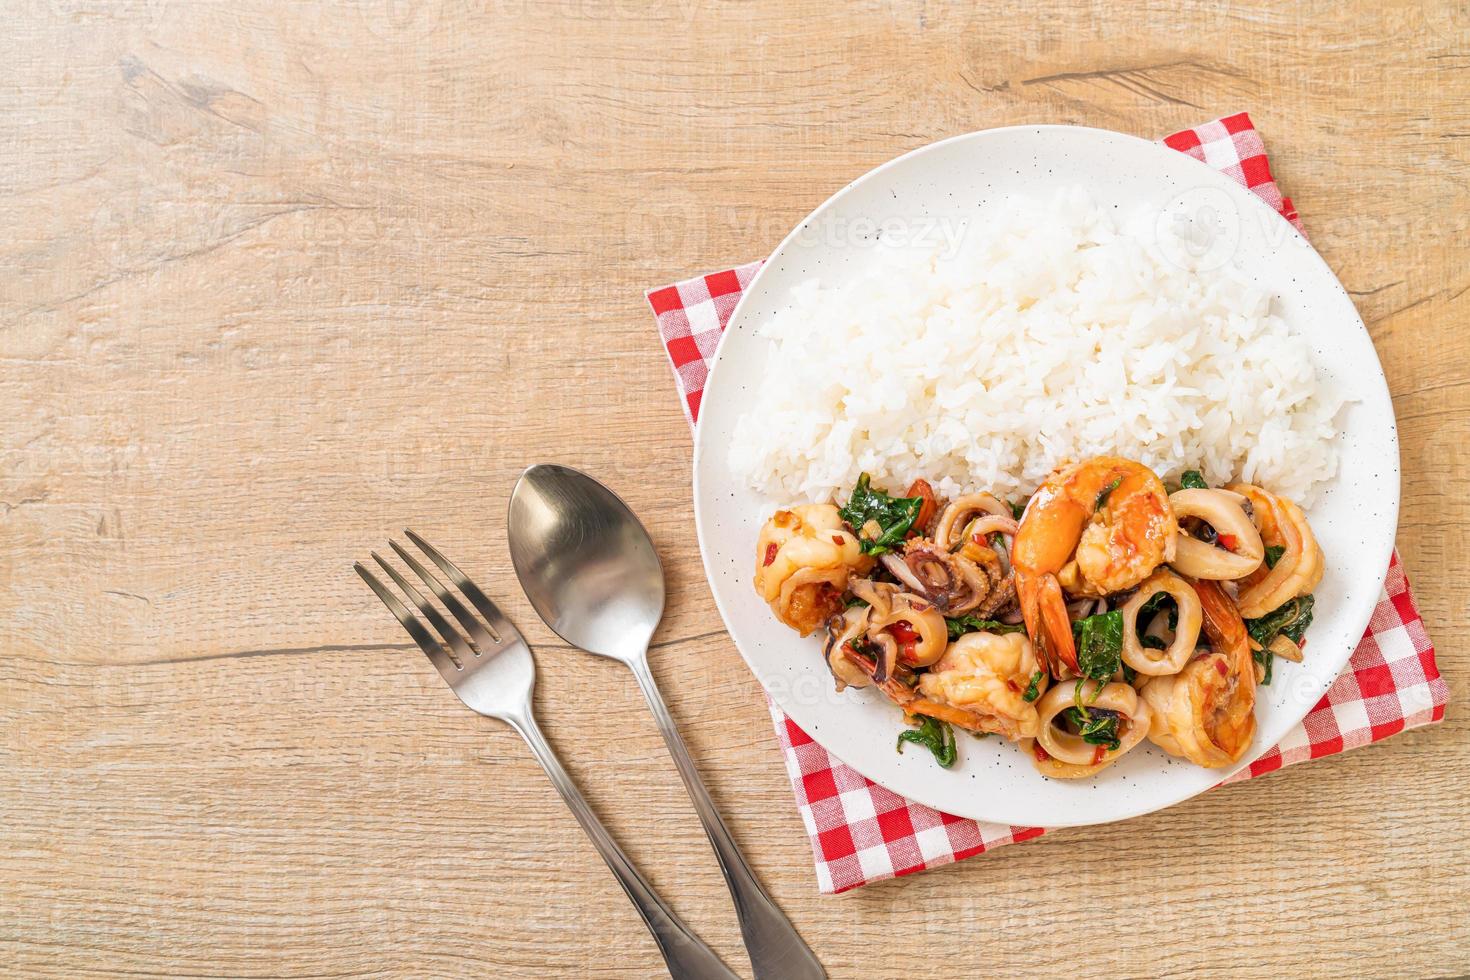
586,562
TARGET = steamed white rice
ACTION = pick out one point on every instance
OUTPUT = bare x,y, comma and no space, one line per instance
1054,332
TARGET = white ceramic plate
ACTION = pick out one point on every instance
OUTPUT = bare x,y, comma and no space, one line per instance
1355,517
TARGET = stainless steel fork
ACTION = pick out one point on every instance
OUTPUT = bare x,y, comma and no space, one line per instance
492,672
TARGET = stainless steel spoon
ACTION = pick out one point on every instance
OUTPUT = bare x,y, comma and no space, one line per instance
590,571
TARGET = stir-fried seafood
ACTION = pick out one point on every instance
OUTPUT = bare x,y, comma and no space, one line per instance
970,580
973,518
1112,611
1299,568
1206,712
1150,660
1083,732
895,629
1111,517
989,675
803,560
1240,550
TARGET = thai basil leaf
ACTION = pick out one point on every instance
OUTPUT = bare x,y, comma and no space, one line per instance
1192,480
1033,691
1097,727
1267,660
960,625
1102,494
894,516
1156,602
1099,642
934,735
1290,619
1273,555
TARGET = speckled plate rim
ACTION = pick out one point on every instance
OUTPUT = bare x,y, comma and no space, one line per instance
860,729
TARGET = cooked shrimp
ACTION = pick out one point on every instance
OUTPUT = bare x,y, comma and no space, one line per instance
1063,754
1240,552
1114,515
1206,712
804,557
1299,569
974,718
988,674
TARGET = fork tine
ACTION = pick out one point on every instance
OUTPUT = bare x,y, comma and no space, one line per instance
451,635
437,655
466,618
502,626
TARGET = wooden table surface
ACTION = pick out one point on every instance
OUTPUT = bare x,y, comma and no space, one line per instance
283,279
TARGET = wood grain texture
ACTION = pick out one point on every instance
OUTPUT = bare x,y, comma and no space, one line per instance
282,279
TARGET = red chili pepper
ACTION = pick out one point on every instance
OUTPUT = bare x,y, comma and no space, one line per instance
907,639
771,550
1227,541
1041,754
1098,754
1220,666
921,488
837,540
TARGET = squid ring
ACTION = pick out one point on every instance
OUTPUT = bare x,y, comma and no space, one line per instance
1222,510
1062,755
842,629
1186,629
948,533
923,619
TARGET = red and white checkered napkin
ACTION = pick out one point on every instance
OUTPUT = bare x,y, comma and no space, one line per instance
862,832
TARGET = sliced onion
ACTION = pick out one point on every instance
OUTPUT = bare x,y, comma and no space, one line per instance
901,571
984,527
1284,648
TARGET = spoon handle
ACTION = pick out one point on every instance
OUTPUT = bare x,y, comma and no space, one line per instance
687,957
776,949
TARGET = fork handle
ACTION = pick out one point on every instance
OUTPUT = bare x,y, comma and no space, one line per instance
685,953
776,948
